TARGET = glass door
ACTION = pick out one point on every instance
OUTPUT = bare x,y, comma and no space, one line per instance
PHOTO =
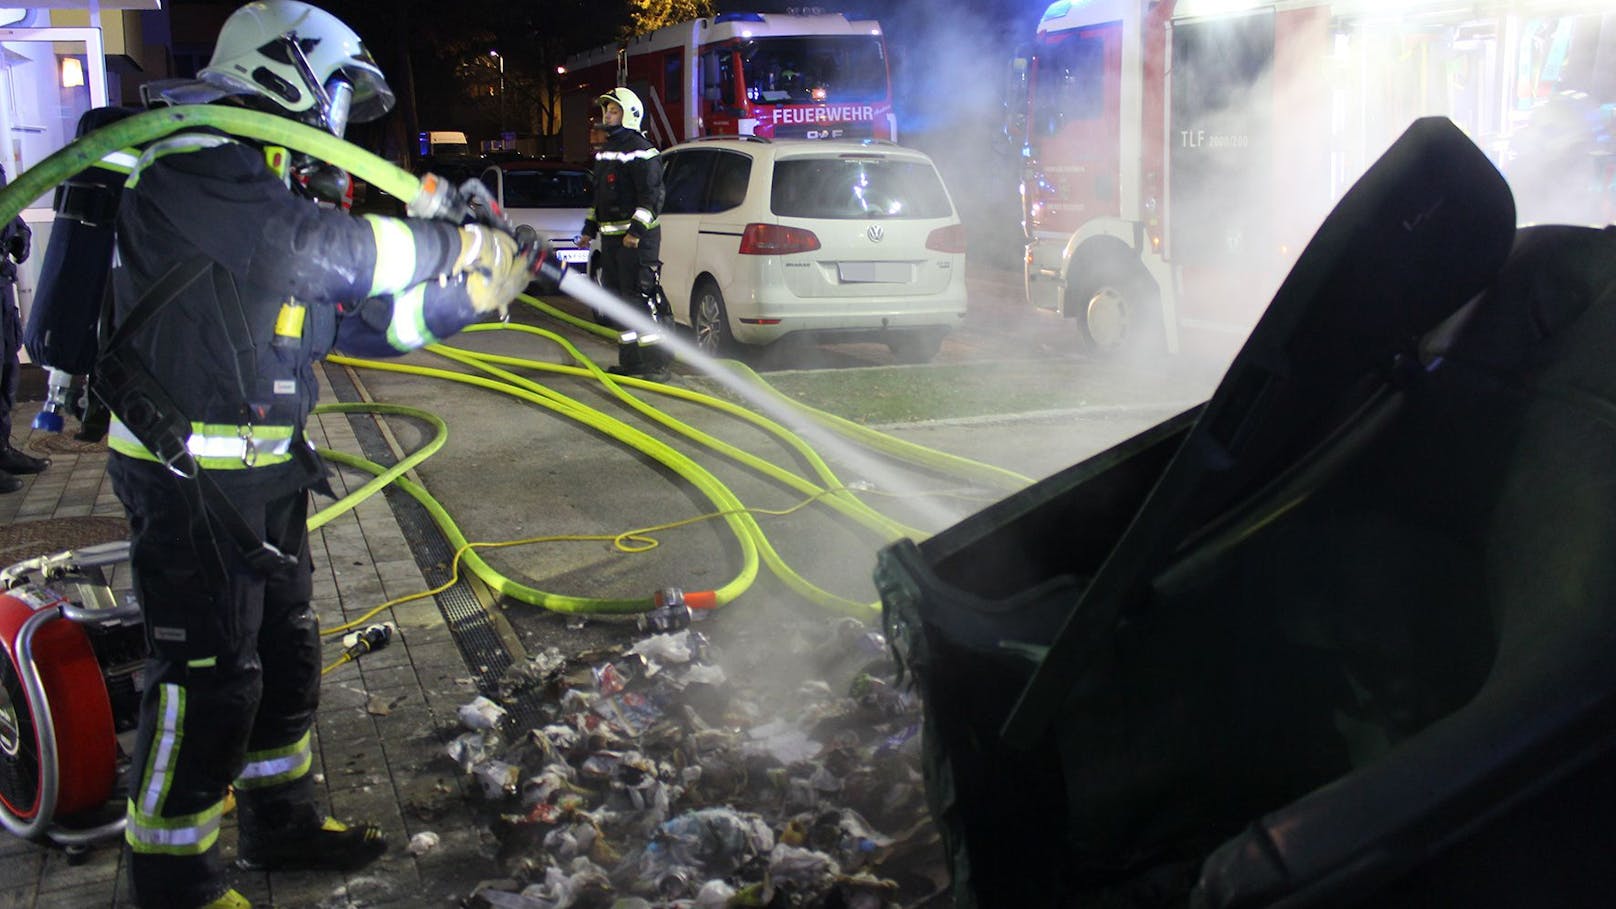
49,77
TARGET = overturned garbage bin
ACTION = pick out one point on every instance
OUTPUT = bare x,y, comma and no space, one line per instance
1343,635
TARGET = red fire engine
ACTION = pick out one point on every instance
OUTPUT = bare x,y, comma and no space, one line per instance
765,74
1177,155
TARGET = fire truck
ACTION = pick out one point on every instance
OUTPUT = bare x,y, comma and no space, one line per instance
1177,155
816,76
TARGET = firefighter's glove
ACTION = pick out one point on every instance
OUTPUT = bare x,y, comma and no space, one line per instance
494,268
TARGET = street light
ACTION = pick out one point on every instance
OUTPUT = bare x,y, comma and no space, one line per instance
496,55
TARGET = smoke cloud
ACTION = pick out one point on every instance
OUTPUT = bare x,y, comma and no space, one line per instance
1271,116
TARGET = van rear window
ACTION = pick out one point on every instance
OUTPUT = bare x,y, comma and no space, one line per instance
857,189
549,189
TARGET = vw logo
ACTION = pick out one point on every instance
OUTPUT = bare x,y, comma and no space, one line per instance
875,232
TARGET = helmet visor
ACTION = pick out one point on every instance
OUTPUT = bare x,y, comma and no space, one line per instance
340,93
371,96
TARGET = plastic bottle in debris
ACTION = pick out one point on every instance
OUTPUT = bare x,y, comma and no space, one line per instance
669,612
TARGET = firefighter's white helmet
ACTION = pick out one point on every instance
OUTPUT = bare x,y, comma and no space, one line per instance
633,110
302,59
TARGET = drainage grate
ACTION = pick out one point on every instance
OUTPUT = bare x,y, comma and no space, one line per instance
474,633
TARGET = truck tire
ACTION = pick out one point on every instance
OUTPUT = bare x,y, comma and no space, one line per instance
1113,300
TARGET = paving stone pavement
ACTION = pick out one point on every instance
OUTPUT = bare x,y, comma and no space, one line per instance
381,732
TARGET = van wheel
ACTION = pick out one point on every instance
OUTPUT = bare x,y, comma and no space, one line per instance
914,347
709,321
1115,303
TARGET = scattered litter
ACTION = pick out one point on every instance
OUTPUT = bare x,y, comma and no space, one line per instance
481,713
714,895
422,843
471,748
791,866
536,672
785,743
717,840
609,679
665,648
498,778
670,773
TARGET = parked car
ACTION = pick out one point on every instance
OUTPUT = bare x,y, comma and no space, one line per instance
844,240
549,196
454,168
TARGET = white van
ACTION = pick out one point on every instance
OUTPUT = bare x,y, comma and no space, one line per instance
444,143
839,239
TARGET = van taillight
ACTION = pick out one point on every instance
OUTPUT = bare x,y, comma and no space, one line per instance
950,239
774,240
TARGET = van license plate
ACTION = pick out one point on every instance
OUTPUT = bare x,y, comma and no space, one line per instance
875,272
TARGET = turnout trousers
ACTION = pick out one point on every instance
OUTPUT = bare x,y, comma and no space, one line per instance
231,687
632,273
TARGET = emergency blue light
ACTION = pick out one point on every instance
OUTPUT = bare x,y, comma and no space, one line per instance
737,17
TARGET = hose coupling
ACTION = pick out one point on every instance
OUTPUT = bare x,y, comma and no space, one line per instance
438,200
373,638
668,612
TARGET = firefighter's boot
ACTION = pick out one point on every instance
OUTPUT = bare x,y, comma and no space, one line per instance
231,900
642,355
330,845
283,831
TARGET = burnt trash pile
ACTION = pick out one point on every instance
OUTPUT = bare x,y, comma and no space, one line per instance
671,772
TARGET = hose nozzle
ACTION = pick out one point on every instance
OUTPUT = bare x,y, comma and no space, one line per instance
548,270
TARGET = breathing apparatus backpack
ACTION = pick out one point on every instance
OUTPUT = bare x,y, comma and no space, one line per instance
63,324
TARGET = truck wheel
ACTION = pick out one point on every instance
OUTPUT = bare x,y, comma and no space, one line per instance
709,321
1115,303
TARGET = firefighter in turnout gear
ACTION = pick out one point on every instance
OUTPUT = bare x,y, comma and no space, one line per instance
628,200
232,284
